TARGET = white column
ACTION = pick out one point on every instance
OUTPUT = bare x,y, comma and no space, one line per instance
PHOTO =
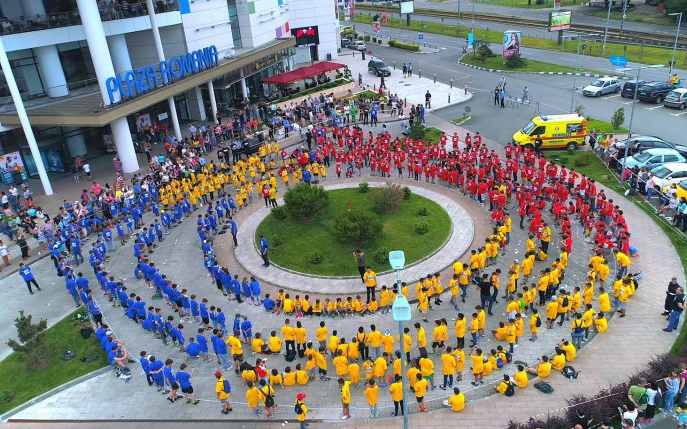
76,142
244,88
213,101
125,151
100,54
120,53
24,119
201,105
50,68
161,57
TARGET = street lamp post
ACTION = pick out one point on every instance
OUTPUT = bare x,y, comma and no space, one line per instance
579,64
400,311
608,19
677,35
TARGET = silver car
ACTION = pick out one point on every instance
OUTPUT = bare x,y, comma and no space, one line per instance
676,98
599,87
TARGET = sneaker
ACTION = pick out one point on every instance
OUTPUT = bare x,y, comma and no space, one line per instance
442,387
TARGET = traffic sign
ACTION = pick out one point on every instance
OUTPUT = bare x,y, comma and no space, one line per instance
618,60
420,36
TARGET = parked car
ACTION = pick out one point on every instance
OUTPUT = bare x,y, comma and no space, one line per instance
654,91
358,45
652,158
669,173
640,143
680,187
676,98
346,43
622,6
604,85
378,68
629,88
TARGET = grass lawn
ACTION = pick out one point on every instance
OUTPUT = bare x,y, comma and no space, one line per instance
533,4
429,134
462,119
649,18
20,384
603,127
497,62
596,169
638,53
300,240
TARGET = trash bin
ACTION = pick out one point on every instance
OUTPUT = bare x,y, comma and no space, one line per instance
329,57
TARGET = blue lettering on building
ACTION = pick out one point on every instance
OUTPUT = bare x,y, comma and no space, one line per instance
135,82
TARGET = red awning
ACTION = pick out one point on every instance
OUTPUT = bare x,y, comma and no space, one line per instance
303,73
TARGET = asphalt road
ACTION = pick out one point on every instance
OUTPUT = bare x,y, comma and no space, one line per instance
551,92
540,14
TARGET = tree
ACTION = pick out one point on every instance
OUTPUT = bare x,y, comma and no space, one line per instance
387,198
484,52
357,227
305,201
514,61
618,118
31,343
676,6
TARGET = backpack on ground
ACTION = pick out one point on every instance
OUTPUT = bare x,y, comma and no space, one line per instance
543,387
226,386
510,389
290,356
86,332
570,372
509,357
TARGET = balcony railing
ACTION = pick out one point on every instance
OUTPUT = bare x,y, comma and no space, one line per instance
108,11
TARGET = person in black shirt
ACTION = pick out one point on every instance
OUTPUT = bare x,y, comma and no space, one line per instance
484,286
670,296
676,312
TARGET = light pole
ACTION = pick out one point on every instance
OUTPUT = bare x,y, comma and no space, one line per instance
632,111
608,19
400,311
579,63
677,35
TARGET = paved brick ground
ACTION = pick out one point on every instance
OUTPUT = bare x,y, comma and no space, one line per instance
606,359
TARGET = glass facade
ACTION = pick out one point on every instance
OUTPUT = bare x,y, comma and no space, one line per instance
235,28
77,64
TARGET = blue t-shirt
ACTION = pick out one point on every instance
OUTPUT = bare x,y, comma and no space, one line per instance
184,379
193,350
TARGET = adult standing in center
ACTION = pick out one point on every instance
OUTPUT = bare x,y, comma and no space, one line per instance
676,312
370,283
670,296
263,251
359,256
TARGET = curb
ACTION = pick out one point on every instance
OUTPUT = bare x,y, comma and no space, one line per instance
541,73
54,391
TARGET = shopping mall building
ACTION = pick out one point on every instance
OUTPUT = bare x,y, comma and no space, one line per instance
92,73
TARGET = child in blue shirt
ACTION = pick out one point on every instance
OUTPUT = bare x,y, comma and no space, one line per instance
145,365
268,303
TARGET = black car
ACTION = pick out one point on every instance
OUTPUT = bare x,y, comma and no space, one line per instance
654,91
378,68
629,88
639,143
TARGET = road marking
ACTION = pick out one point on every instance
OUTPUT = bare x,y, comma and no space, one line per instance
678,114
612,96
653,108
628,102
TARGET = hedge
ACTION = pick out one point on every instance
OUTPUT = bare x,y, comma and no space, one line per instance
406,46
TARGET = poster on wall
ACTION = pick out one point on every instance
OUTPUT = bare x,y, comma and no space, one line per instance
11,163
109,143
306,36
511,43
54,159
559,20
143,122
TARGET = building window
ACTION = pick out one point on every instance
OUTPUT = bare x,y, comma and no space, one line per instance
77,64
235,28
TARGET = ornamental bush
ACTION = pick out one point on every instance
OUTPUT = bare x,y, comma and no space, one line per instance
357,227
387,199
305,202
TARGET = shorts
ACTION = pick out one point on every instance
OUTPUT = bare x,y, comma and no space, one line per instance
550,319
238,358
436,344
187,390
419,398
428,377
178,304
175,386
206,320
622,306
225,400
322,371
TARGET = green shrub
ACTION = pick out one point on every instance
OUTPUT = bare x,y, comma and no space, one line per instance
514,61
484,52
584,159
279,213
405,46
363,187
422,228
381,255
31,344
357,227
315,258
407,193
6,396
366,38
618,118
305,201
387,198
422,211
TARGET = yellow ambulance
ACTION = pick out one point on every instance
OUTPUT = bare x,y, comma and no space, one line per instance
556,131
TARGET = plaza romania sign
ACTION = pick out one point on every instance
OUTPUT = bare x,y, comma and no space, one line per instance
135,82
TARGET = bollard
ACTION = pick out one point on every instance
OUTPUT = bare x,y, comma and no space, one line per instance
394,65
405,102
435,78
466,89
451,83
449,98
420,74
374,87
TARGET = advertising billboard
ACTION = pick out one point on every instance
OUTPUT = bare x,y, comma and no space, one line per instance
407,7
306,36
559,20
511,43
